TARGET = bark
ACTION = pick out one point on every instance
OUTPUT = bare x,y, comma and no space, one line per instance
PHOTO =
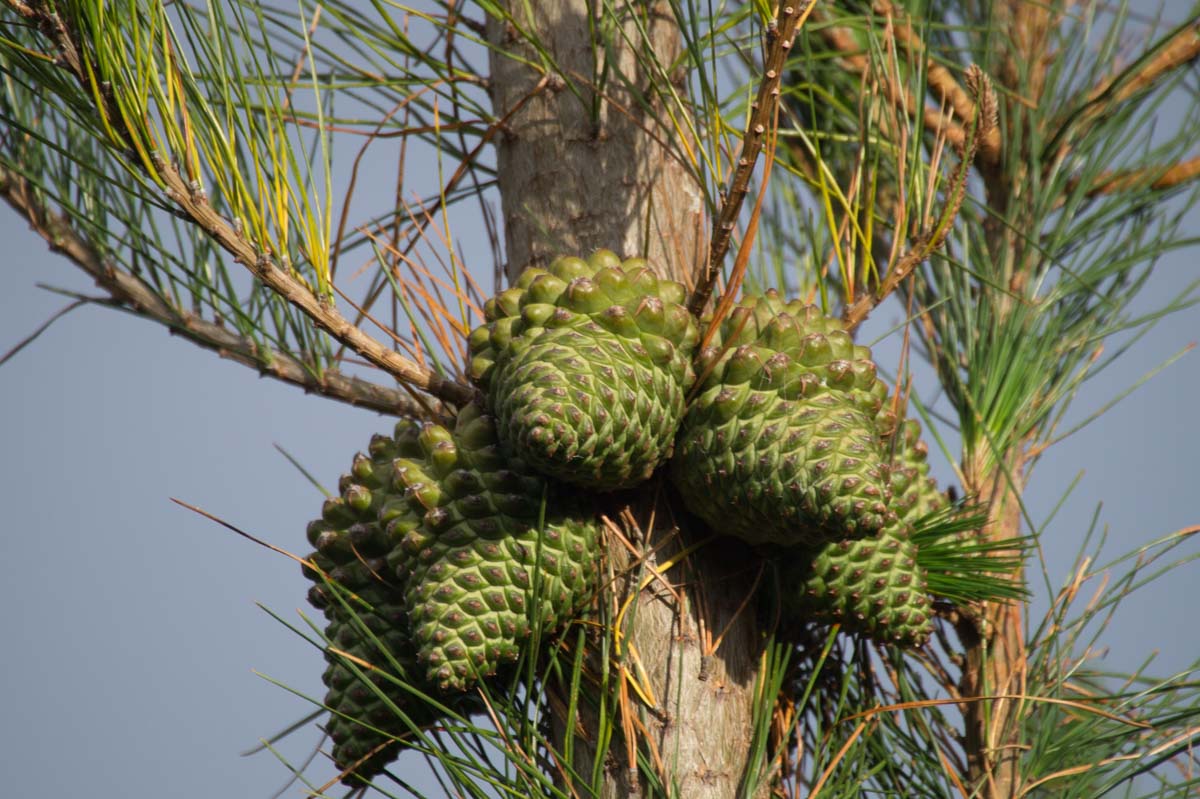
578,171
995,652
698,731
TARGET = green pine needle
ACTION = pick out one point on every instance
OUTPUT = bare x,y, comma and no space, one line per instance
963,567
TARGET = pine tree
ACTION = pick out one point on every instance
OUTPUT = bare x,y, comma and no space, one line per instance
991,171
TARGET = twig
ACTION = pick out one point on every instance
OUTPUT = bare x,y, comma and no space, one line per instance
129,291
417,229
261,264
42,328
1181,48
1086,707
933,237
352,182
780,37
910,260
1156,178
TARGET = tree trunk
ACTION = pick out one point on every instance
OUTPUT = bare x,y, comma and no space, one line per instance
577,172
581,169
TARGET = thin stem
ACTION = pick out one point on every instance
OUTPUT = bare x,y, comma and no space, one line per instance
780,39
933,237
942,83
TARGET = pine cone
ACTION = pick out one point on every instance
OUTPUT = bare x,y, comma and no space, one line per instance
782,445
872,586
586,366
914,493
365,612
482,570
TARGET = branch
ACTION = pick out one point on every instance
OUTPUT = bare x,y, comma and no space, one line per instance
323,313
131,292
1181,48
780,36
194,203
1156,178
1168,56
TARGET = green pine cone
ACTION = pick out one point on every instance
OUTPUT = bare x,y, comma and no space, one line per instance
782,444
480,572
366,618
349,527
818,344
586,366
873,586
363,727
914,493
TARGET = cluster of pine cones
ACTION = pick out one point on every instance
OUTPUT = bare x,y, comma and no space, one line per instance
448,548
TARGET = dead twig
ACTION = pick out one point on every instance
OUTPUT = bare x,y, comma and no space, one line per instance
420,222
42,328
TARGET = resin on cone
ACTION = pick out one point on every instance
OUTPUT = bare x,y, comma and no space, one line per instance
782,443
586,365
500,552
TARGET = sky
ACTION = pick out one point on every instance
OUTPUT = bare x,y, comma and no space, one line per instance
136,655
